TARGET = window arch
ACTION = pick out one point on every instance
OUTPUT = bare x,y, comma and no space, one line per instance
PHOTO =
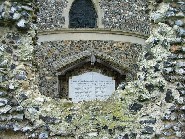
82,14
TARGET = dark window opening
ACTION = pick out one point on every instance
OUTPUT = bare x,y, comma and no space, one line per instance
82,14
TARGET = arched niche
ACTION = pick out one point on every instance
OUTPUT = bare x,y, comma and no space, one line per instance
82,14
88,64
96,6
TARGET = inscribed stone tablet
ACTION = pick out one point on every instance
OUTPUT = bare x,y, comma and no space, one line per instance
90,86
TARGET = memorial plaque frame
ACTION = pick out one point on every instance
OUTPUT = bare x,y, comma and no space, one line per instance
87,65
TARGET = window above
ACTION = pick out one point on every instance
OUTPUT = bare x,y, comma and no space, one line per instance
82,14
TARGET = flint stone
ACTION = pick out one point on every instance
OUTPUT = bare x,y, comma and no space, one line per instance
11,86
3,101
174,108
150,121
180,71
181,92
19,109
148,130
5,118
149,56
135,107
180,100
43,135
22,23
167,133
16,16
48,119
143,97
181,32
2,127
16,127
3,78
12,66
9,50
18,117
2,93
32,110
126,136
168,70
178,134
173,116
156,67
182,116
166,117
23,97
27,8
5,109
168,126
181,64
26,128
10,126
176,127
13,102
182,108
3,64
21,76
179,22
169,98
149,87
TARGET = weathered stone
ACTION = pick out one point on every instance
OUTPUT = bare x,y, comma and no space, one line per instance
5,109
135,107
3,64
22,97
2,127
3,93
143,98
16,127
181,92
13,102
149,56
168,70
114,119
150,121
148,130
182,108
179,22
169,97
166,117
27,128
43,135
3,102
149,87
47,119
167,133
21,76
18,117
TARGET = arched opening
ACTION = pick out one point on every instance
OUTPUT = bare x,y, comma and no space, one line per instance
86,65
82,14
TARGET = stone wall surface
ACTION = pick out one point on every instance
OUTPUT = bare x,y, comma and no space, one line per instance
126,15
121,15
50,15
151,107
51,56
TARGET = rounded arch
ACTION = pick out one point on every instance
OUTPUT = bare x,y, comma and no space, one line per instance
97,10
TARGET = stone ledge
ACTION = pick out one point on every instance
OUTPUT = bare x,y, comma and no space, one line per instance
95,30
91,34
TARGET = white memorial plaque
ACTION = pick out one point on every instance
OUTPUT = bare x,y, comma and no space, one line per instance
90,86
